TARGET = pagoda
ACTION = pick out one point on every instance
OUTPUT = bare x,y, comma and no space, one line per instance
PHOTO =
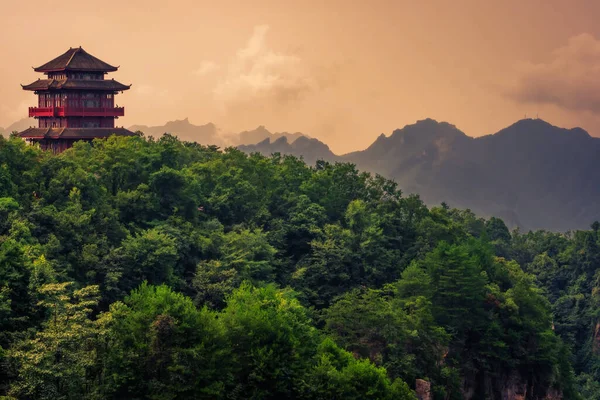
75,102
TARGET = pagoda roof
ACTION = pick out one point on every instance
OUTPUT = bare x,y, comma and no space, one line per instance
76,84
76,59
73,133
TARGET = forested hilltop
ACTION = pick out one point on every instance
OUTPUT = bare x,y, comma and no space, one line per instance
137,268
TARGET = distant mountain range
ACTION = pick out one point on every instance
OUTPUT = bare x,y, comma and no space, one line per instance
210,134
261,134
532,174
309,149
203,134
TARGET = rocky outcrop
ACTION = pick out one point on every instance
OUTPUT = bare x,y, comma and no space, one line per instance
423,389
554,394
514,388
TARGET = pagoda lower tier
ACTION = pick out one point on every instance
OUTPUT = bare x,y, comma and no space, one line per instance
58,140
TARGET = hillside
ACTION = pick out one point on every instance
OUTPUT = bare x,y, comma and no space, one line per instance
137,268
532,174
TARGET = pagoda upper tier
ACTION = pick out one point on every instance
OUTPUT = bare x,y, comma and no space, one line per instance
76,59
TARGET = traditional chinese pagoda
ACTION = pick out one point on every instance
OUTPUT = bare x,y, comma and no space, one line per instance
75,102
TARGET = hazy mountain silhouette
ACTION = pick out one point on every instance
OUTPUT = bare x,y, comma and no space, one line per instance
261,133
210,134
203,134
18,126
532,174
309,149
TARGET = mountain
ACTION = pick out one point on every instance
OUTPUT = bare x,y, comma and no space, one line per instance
204,134
531,174
18,126
309,149
261,133
210,134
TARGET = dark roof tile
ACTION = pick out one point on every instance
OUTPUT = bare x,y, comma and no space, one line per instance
76,59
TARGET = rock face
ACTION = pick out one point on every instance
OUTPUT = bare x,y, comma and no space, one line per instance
513,386
554,395
516,388
423,389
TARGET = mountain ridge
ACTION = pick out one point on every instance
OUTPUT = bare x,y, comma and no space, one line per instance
531,173
211,134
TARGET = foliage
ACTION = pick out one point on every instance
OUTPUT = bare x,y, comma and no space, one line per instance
153,268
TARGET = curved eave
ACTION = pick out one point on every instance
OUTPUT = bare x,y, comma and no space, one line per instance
43,87
105,70
75,89
73,133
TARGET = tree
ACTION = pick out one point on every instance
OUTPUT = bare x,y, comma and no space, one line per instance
242,255
161,347
338,375
272,340
59,361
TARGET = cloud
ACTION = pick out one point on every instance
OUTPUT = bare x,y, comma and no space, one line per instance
569,80
206,67
259,76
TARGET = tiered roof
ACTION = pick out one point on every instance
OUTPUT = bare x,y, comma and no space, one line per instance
76,59
76,84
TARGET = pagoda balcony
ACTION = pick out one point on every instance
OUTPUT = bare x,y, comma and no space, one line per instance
76,112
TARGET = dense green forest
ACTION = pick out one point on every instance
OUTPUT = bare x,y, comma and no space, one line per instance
141,268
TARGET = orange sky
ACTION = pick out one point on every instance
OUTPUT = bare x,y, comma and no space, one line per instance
342,71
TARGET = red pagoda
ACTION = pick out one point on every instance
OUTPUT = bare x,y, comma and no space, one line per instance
75,102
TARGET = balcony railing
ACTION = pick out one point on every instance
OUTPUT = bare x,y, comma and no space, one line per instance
76,112
41,111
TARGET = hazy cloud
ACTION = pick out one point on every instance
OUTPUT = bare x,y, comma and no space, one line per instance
570,79
206,67
261,76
